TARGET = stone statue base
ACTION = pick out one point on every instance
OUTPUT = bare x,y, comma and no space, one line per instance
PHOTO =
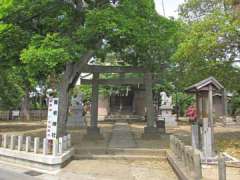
75,119
167,116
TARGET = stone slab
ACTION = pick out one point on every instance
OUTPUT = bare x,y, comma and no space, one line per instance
122,136
151,133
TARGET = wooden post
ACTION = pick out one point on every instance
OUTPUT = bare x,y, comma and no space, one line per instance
210,114
224,103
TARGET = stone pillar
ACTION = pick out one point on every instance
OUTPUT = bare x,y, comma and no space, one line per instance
55,147
207,146
28,144
5,140
64,143
197,164
13,141
45,146
150,130
20,142
36,144
195,135
69,140
61,145
93,131
221,168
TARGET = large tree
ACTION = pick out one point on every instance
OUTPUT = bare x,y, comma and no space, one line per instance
65,35
211,43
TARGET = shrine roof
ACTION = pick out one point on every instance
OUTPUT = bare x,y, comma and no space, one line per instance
204,84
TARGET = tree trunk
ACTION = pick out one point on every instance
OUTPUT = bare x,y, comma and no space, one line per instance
63,108
68,80
25,106
63,88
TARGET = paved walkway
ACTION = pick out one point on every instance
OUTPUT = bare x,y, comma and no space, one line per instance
122,136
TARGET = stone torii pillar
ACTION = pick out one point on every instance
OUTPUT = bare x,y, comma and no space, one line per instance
93,131
150,130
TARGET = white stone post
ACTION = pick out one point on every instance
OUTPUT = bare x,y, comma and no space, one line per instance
61,145
1,139
5,140
188,150
172,142
28,144
20,143
13,142
69,139
64,143
221,168
55,147
182,150
197,165
45,146
36,144
195,138
207,139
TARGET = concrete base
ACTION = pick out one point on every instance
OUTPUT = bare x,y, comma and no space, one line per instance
93,133
39,161
151,133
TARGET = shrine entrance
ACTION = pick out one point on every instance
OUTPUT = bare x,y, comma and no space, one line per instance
121,103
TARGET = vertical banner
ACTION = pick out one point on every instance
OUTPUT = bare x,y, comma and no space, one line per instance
52,118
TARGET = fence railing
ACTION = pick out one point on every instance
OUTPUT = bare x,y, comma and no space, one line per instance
34,115
190,157
36,145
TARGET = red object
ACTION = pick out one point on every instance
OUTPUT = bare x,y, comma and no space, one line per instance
192,113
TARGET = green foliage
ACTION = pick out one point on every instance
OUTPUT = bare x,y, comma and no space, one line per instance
11,91
210,49
235,104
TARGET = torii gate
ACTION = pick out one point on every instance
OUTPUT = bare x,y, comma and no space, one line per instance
93,131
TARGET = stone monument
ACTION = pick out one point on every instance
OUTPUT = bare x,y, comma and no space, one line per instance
166,111
75,117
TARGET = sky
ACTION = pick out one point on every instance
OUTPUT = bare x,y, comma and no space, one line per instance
170,7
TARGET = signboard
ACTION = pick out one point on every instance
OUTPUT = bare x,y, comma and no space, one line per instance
15,113
52,118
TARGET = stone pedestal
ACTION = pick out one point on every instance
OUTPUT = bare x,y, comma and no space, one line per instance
151,133
167,116
93,133
75,118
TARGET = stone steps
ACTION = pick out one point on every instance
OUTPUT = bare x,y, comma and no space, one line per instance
120,151
119,157
125,117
